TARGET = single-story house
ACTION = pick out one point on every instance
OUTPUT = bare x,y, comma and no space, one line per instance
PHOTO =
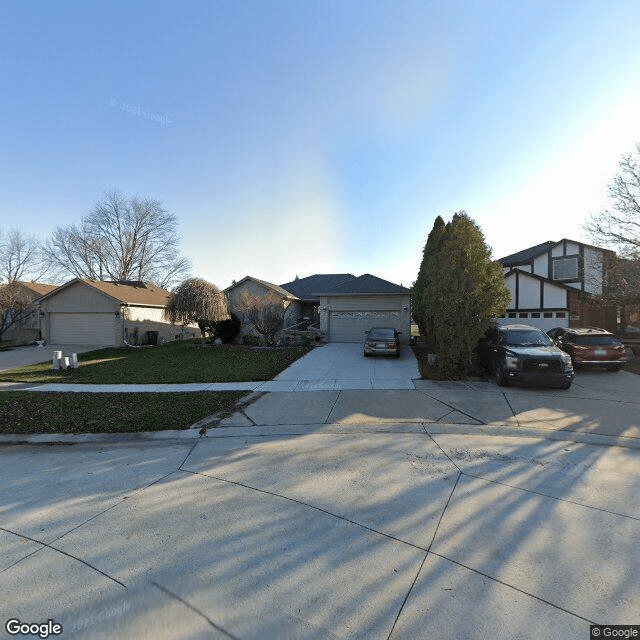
260,288
108,314
561,284
342,305
350,308
27,328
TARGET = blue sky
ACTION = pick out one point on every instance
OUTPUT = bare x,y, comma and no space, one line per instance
300,137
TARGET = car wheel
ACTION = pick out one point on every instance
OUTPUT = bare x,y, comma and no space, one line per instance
614,367
501,378
366,355
565,386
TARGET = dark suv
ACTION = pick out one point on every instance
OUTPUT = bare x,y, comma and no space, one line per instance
520,353
590,346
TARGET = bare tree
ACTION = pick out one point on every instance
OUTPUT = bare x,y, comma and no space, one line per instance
15,305
20,257
265,313
197,301
619,227
121,239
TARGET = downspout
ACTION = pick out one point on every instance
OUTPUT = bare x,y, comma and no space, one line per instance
122,311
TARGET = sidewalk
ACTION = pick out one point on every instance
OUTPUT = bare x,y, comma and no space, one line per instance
269,385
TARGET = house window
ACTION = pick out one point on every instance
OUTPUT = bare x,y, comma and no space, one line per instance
535,315
565,268
513,315
523,315
548,314
560,314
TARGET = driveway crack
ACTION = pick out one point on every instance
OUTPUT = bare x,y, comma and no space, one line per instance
426,555
190,606
64,553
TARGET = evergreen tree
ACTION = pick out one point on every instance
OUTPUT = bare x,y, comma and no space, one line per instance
425,274
463,290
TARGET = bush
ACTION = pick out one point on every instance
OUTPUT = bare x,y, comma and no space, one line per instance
226,330
252,340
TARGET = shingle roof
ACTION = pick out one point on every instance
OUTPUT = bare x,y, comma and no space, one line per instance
142,293
133,293
305,288
526,255
39,288
363,285
269,285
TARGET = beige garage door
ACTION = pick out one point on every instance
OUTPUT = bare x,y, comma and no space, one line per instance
82,328
349,326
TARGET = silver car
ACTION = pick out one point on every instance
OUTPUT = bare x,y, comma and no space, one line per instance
382,341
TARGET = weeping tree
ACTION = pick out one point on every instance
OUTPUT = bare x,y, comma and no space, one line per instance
196,301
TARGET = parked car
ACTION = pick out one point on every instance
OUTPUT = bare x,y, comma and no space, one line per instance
382,341
590,346
521,353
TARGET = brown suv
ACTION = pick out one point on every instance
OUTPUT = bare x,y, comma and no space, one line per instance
590,346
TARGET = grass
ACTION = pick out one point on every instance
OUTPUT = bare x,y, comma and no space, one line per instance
35,412
176,362
633,366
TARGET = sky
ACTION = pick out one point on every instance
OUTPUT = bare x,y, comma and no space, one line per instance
293,137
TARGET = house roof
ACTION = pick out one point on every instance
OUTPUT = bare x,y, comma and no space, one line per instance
304,288
526,255
143,294
535,276
269,285
39,288
365,284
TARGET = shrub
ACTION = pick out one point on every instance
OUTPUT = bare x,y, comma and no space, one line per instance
226,330
254,341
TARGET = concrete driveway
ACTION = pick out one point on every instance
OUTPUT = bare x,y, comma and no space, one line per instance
23,356
343,366
449,511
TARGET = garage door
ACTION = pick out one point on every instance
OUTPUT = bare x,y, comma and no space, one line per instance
349,326
82,328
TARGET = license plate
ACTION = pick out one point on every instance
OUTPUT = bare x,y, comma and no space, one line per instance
382,345
600,352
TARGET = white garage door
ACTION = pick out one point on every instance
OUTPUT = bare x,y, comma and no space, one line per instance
349,326
82,328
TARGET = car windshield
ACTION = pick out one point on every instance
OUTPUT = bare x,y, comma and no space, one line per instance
594,341
525,337
381,334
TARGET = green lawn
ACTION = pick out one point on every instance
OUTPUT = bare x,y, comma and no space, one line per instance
633,366
176,362
35,412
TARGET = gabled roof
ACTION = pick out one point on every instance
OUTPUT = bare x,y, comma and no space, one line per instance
535,276
526,255
143,294
304,288
39,288
364,285
269,285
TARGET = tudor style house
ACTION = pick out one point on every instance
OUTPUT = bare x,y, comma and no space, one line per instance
559,284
